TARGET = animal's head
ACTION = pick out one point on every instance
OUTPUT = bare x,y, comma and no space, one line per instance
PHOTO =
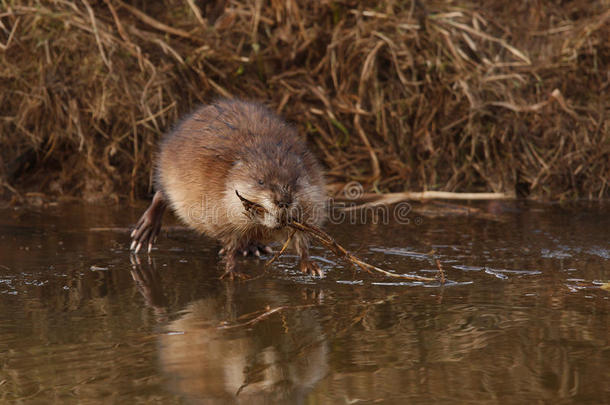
278,184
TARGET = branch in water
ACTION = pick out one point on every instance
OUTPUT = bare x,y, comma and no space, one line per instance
328,242
278,254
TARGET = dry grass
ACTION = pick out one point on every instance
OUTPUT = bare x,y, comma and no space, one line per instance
496,97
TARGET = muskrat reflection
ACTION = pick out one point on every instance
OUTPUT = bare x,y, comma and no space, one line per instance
278,359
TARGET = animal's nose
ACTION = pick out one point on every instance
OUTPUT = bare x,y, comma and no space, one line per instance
283,200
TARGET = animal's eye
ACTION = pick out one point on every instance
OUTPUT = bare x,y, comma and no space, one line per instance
261,182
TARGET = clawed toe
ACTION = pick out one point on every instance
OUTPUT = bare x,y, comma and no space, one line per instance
311,268
254,249
149,225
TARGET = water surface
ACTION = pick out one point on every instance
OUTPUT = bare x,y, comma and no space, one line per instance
523,317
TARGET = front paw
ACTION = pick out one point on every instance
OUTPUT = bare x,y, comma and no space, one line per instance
256,249
252,249
310,267
148,227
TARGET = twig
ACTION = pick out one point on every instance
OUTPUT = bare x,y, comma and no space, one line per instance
441,195
250,206
441,272
145,18
117,22
4,47
197,13
97,35
262,316
326,240
367,69
278,254
340,252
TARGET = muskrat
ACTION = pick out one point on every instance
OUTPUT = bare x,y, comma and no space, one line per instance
225,150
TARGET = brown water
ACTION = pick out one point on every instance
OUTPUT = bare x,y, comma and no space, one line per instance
523,318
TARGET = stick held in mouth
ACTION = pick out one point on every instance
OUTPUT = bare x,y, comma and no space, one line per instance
328,242
250,206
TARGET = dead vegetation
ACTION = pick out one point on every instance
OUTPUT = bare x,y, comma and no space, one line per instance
329,243
399,95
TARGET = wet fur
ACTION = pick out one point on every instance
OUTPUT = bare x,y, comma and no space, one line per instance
231,145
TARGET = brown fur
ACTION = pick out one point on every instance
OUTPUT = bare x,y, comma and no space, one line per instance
233,145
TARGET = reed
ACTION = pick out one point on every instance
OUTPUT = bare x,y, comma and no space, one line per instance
399,95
